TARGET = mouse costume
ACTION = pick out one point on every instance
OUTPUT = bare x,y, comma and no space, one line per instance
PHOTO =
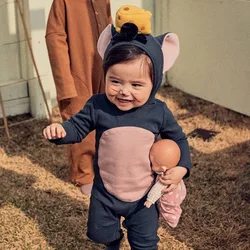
123,174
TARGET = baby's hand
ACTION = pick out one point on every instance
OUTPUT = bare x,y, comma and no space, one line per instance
54,131
147,204
172,177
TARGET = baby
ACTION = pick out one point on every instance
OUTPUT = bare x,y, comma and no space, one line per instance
165,154
127,118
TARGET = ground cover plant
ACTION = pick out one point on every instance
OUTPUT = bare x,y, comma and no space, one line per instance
40,209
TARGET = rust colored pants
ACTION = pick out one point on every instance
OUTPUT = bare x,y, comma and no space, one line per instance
80,155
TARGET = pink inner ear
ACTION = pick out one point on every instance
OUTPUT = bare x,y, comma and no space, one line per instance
170,49
104,40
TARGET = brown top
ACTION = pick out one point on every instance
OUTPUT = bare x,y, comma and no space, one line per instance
72,33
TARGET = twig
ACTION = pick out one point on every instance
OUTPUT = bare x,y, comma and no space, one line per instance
4,117
10,43
18,123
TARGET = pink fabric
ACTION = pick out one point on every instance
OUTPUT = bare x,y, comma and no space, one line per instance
104,40
123,159
169,204
170,49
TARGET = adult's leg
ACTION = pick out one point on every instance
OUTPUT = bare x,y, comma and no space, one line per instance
80,158
142,226
80,155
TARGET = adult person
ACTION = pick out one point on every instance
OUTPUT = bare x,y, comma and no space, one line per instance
73,29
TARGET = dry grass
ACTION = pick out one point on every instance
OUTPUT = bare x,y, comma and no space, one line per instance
40,209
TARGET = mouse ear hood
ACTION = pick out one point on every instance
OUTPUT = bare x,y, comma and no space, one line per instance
133,28
169,42
104,40
170,46
128,32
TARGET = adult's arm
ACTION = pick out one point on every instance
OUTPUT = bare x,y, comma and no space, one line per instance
56,40
109,11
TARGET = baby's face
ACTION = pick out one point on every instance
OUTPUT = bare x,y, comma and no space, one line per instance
156,166
129,85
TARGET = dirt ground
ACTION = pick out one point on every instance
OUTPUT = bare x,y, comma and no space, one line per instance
41,210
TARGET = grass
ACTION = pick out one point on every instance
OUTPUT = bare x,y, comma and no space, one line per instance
41,209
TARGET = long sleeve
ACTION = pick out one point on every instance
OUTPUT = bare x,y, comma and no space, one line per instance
79,125
172,130
155,192
56,40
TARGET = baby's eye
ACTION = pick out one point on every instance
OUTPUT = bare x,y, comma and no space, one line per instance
115,81
137,85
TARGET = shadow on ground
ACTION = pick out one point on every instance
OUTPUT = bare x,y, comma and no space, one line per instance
27,140
58,216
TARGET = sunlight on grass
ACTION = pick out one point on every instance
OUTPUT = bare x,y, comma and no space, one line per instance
18,231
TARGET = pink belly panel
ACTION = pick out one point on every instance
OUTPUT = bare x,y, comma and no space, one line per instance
123,159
